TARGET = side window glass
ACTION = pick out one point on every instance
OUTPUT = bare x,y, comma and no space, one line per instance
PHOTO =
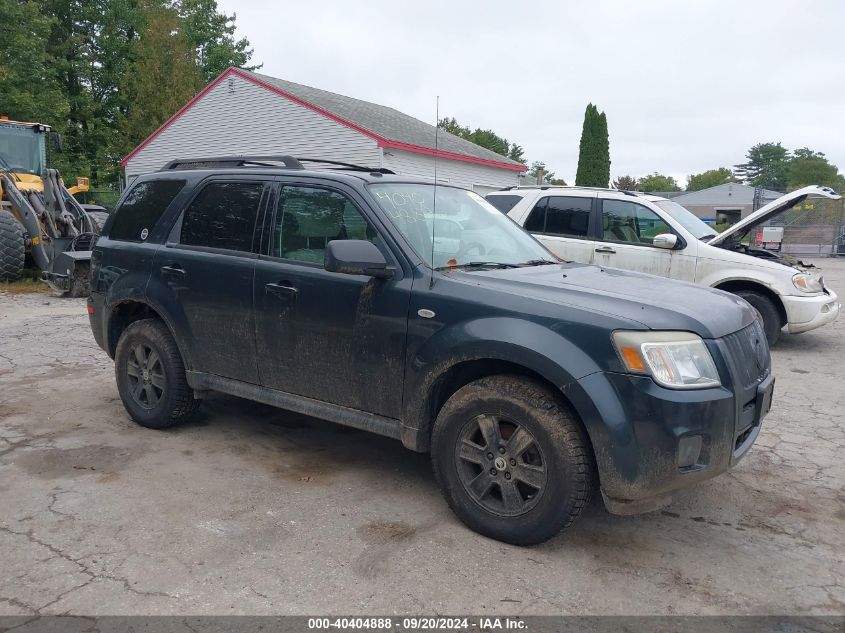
503,203
223,216
141,209
568,216
629,222
536,221
308,218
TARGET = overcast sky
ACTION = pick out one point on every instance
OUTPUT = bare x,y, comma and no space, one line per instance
686,86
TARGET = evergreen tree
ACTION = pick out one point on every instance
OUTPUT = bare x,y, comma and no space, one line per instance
211,34
162,75
484,138
594,151
517,153
766,166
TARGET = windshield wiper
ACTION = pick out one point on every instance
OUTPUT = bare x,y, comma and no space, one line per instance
707,237
539,262
479,265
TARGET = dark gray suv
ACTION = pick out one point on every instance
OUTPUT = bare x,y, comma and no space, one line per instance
420,312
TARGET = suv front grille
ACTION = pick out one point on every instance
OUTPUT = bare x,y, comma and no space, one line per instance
748,352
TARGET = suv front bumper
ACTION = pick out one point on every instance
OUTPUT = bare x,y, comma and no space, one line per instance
807,313
642,428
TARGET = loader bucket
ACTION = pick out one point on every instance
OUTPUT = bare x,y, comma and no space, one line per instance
70,273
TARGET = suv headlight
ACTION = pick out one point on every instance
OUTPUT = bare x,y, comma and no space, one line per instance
807,283
678,360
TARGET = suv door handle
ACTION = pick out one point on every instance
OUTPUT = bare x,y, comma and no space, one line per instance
172,271
606,250
281,290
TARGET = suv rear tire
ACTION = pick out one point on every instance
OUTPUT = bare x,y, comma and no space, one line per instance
151,376
511,460
769,314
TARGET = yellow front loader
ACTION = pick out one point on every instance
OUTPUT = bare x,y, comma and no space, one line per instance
39,216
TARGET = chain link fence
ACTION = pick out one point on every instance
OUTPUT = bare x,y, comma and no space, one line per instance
814,227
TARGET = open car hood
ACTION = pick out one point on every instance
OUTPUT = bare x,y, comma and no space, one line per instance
772,209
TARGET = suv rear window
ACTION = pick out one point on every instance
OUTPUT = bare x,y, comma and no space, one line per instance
560,215
503,203
223,216
142,208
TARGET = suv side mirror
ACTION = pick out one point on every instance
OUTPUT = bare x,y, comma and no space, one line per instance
665,240
356,257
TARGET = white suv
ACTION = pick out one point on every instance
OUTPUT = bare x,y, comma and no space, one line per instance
649,234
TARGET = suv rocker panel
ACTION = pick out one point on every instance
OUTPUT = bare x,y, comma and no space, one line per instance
354,418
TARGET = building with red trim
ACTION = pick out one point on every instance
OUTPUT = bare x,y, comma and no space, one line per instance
242,112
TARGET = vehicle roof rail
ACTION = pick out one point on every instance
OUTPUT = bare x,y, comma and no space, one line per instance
232,161
346,166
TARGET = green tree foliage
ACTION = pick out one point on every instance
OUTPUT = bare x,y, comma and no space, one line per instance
658,182
767,165
812,168
517,153
211,34
540,174
163,56
29,84
709,178
594,150
490,140
626,183
80,67
485,138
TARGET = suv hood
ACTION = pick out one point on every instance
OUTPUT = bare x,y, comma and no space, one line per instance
654,302
772,209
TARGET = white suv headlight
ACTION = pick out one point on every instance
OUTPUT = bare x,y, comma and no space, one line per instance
807,283
678,360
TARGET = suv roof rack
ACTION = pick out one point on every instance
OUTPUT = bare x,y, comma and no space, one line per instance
347,166
232,161
290,162
581,187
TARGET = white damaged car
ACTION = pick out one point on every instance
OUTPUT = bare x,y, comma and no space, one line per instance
650,234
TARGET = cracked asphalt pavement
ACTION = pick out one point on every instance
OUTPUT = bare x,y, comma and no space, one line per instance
252,510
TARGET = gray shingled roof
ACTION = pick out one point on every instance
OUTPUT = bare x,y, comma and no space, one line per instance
383,121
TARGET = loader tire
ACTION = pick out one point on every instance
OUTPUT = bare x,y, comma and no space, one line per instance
99,218
11,247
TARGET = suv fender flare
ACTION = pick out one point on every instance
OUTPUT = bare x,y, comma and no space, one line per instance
514,342
157,311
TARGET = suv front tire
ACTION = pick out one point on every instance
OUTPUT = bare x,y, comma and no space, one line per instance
511,460
151,376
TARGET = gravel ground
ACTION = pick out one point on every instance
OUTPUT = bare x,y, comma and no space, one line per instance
252,510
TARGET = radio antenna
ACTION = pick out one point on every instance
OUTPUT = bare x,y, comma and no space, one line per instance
434,197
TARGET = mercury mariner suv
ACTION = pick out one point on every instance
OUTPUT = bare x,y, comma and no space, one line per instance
418,311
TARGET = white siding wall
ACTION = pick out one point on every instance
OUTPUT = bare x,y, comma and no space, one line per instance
252,120
454,172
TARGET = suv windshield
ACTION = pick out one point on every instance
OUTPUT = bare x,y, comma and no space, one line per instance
686,219
467,230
